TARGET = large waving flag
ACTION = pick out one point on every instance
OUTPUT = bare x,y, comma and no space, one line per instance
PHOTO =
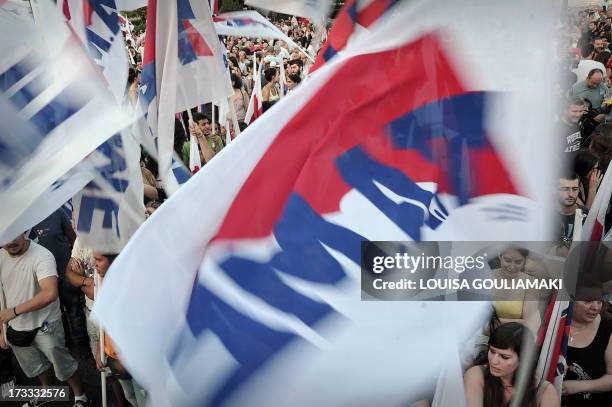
109,209
55,110
406,136
249,24
316,10
96,22
355,15
183,67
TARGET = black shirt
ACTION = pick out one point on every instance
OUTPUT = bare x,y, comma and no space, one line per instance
51,234
588,364
571,133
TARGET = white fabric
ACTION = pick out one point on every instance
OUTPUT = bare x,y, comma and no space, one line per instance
20,276
36,161
425,330
316,10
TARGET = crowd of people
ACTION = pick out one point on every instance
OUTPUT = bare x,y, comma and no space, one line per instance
49,282
584,123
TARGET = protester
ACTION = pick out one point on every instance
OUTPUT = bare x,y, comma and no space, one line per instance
133,391
55,234
240,99
572,214
292,81
151,207
494,382
588,381
574,111
518,305
201,130
80,274
270,92
592,88
34,330
586,165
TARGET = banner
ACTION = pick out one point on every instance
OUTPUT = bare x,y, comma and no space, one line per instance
54,110
96,22
316,10
110,208
266,286
182,68
355,16
249,24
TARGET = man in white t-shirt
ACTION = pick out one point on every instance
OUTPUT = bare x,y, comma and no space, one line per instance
31,312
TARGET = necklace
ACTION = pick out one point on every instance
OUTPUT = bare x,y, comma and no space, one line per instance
574,331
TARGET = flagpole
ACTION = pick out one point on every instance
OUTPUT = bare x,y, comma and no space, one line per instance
234,119
212,115
283,80
101,344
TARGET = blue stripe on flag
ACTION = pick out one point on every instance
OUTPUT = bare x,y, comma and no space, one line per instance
329,53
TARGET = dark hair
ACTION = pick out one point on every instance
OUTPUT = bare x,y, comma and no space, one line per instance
153,204
295,78
179,136
234,60
269,74
296,62
587,280
514,336
236,81
599,37
569,174
601,144
523,252
197,116
593,72
110,257
132,75
584,161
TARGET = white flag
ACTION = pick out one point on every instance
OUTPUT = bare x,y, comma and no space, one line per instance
316,10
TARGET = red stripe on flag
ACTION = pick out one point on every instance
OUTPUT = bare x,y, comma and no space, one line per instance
357,116
552,367
372,12
87,12
66,9
597,232
547,315
149,52
198,43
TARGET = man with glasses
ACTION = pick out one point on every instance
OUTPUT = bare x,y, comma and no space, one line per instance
572,214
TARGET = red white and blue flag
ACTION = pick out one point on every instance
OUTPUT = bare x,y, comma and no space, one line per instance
255,108
183,67
552,363
56,109
316,10
406,136
354,14
249,24
214,6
